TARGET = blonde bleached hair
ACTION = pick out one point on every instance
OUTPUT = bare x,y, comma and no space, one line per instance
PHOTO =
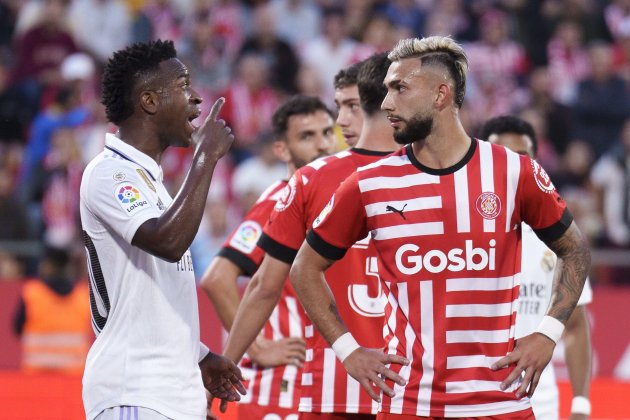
442,50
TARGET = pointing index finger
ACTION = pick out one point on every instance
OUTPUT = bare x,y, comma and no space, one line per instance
216,108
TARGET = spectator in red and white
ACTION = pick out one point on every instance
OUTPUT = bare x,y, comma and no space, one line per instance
497,66
621,51
165,19
568,61
616,14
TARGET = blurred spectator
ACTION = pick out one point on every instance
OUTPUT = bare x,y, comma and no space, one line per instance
8,16
100,26
558,118
603,102
545,153
203,52
282,62
405,13
568,61
298,21
586,13
252,177
621,52
249,104
63,168
165,19
378,35
307,81
228,22
611,174
447,17
617,14
15,111
331,51
40,52
53,318
497,65
13,222
11,269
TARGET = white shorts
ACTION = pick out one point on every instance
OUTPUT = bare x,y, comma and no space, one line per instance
130,413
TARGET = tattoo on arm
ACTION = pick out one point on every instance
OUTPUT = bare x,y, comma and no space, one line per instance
574,262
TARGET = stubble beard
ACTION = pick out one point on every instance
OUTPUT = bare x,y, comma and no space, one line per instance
417,128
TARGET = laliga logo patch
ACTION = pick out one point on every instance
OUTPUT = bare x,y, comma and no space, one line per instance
324,212
287,196
488,205
542,179
130,198
246,237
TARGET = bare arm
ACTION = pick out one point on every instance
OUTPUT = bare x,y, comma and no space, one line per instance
577,340
170,235
220,284
258,302
366,366
533,352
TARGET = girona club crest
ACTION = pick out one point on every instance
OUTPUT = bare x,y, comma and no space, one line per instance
542,179
488,205
288,194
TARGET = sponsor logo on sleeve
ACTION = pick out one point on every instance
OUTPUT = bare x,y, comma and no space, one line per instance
120,176
324,212
130,198
542,179
488,205
287,196
246,237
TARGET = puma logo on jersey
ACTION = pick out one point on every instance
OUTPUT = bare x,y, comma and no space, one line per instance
395,210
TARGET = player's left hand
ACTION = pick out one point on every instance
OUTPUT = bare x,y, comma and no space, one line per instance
222,378
531,354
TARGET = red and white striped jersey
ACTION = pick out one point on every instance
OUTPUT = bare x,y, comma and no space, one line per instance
354,281
449,248
279,386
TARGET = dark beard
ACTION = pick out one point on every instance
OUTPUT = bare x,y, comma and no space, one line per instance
416,129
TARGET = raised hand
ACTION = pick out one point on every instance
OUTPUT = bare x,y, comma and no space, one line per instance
531,354
213,136
222,378
270,353
369,367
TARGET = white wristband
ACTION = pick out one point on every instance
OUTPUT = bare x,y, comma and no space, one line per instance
551,327
581,405
344,345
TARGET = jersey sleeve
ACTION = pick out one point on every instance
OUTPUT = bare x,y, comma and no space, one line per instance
341,223
284,232
122,199
240,247
540,205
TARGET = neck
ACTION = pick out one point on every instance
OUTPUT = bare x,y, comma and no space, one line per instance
377,134
290,169
447,144
142,139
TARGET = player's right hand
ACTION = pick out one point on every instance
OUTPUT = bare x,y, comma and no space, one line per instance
213,136
271,353
369,367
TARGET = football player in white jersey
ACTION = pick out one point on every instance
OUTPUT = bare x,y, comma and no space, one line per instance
147,362
538,263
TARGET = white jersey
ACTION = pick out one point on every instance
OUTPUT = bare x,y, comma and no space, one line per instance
144,309
538,264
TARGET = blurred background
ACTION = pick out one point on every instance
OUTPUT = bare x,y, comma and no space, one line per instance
562,65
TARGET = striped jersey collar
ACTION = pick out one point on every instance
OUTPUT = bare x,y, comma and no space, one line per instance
130,153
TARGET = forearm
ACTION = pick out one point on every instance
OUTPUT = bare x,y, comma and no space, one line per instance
254,310
307,278
170,235
219,282
578,351
574,262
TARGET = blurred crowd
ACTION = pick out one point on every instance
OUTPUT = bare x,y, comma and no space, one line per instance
563,65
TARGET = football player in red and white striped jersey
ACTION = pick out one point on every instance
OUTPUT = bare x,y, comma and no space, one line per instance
303,127
444,214
327,391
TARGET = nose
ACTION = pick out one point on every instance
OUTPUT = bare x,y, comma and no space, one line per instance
387,105
195,98
324,142
342,118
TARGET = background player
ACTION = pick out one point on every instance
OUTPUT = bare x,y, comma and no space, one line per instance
327,391
347,101
538,263
303,129
147,358
444,214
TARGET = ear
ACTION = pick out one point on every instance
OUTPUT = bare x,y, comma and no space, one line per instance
149,101
281,151
444,96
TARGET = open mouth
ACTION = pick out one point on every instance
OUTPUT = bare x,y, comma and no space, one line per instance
191,118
